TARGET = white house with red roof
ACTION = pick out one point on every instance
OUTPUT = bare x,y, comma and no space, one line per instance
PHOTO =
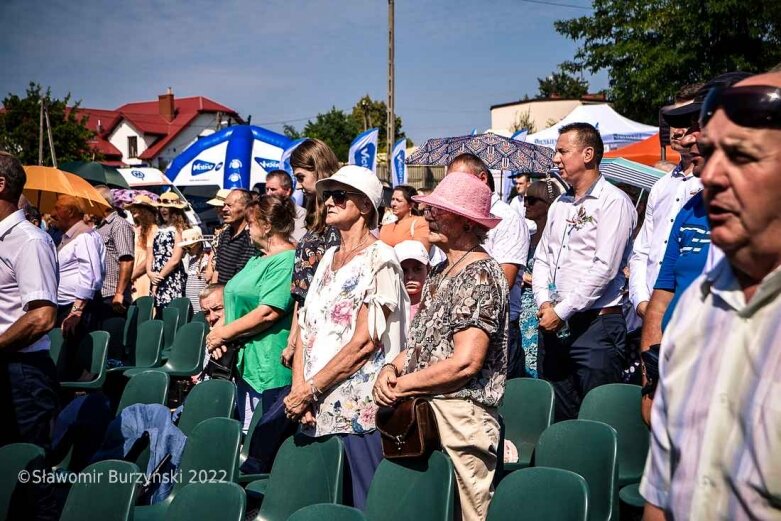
154,132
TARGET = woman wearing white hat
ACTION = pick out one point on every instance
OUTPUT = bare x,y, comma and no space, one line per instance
352,322
164,258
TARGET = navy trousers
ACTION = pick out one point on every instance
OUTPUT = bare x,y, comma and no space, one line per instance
593,354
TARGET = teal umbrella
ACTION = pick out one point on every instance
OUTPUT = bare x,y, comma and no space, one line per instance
96,173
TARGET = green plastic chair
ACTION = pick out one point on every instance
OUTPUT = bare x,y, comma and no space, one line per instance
618,405
115,327
187,353
148,387
170,328
148,347
588,448
145,307
630,495
543,494
57,341
259,479
221,501
199,317
527,410
211,453
130,333
103,498
13,459
209,399
327,512
417,489
93,350
306,471
185,308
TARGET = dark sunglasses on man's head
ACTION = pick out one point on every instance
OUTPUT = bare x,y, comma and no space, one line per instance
339,196
752,106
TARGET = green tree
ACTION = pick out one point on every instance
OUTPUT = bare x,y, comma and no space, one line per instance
335,128
650,48
290,131
368,113
524,121
19,127
562,84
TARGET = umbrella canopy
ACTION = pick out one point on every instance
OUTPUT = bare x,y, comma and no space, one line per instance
647,151
45,183
497,152
629,172
96,173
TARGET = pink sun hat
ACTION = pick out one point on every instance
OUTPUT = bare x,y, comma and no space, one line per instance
465,195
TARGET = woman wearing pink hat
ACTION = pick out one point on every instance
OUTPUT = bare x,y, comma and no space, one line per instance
456,350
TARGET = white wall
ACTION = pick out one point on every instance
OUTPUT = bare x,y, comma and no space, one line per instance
119,136
540,113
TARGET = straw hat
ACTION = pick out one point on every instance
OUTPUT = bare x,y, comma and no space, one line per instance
143,200
219,198
190,236
360,178
465,195
171,200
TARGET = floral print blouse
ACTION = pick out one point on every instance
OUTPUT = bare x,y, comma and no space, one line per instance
309,251
327,321
477,296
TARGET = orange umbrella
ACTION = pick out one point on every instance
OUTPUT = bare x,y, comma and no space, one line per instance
647,152
45,183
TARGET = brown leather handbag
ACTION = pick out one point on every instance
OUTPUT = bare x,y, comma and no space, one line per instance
408,429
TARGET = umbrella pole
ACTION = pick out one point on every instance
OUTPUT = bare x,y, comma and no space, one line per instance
639,197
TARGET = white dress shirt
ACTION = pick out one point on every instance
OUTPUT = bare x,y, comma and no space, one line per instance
508,243
519,206
82,257
665,200
583,249
28,272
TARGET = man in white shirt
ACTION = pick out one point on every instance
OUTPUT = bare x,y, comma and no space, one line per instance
278,182
81,255
508,244
665,200
28,310
578,278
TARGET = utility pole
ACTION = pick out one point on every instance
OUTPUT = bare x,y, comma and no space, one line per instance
51,137
391,126
40,134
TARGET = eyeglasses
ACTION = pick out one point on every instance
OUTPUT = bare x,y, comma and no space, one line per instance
752,106
339,196
433,211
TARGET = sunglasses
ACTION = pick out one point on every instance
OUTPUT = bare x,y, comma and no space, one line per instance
339,196
531,200
433,211
752,106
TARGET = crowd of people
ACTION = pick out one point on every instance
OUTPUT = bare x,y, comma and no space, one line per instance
332,310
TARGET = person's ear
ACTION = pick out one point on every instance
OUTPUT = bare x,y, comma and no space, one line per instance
588,155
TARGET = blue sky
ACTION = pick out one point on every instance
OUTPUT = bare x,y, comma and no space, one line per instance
286,61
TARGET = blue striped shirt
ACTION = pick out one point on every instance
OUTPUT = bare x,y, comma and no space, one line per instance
716,420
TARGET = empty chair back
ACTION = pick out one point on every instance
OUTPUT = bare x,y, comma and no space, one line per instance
148,387
544,494
130,334
199,317
91,357
327,512
187,352
185,308
149,344
211,453
618,405
209,399
590,449
56,341
103,498
145,307
220,501
415,489
171,326
312,467
527,410
13,459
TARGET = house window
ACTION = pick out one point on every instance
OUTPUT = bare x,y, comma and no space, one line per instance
132,146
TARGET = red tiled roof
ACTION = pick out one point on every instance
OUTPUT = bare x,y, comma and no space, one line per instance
98,121
145,117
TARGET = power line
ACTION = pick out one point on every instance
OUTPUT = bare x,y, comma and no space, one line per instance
557,4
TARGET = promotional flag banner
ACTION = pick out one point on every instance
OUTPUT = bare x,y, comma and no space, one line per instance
398,166
363,150
520,135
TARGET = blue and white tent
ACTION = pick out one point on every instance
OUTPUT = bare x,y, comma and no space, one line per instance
235,157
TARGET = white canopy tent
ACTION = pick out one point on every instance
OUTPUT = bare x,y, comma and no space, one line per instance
615,129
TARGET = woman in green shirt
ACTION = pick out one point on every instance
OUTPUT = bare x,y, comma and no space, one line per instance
258,307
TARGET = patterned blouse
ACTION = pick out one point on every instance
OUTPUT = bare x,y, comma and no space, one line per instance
475,297
374,278
309,251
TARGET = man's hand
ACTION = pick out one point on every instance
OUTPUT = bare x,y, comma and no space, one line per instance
641,308
118,304
70,324
549,320
287,356
298,401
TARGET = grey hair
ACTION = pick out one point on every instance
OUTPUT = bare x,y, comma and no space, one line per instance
107,194
208,290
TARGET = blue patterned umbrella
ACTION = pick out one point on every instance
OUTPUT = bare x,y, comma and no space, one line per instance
497,152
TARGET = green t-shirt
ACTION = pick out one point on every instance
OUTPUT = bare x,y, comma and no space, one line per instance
264,280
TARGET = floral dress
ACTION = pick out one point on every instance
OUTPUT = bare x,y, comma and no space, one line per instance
327,320
172,286
475,297
529,325
309,251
